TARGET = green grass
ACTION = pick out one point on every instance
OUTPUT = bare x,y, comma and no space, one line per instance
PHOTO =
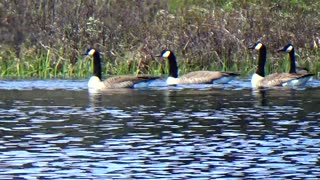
44,66
41,66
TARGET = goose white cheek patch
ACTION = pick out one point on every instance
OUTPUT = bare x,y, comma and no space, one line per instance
91,52
258,46
289,49
166,54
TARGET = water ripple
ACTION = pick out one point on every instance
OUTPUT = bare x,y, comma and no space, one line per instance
159,134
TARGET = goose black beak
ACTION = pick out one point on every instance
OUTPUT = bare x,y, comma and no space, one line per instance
251,47
281,50
159,55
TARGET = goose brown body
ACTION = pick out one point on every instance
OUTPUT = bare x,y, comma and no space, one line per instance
293,68
124,81
202,77
195,77
279,79
259,79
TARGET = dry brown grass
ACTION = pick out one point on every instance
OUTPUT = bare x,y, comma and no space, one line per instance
204,34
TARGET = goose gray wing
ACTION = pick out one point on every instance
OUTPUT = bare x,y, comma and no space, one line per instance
126,81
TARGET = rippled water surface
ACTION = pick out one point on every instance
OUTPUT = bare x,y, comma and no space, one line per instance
56,130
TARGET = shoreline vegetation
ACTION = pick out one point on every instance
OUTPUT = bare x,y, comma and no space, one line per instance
47,39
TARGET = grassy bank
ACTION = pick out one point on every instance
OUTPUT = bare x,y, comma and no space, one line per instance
43,66
46,39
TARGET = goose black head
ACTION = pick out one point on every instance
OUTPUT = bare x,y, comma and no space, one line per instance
165,54
91,52
96,61
257,46
262,49
288,48
173,67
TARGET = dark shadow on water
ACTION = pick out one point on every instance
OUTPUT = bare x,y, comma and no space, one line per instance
260,95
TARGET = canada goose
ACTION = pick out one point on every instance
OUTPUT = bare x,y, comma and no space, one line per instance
195,77
125,81
258,79
293,69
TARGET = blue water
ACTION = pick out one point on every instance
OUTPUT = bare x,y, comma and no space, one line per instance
55,129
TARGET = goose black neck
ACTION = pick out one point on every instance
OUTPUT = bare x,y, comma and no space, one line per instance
97,65
173,67
262,61
292,62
